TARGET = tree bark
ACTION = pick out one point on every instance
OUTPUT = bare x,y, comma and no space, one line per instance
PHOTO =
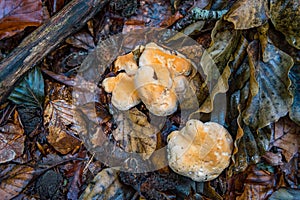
44,40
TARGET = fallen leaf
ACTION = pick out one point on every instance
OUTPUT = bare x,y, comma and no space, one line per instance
215,61
19,14
14,180
287,137
255,13
273,159
82,40
106,185
62,126
259,184
294,111
11,139
171,20
285,193
30,92
285,15
269,97
31,118
49,185
134,133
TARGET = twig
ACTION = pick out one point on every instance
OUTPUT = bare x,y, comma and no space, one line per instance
197,14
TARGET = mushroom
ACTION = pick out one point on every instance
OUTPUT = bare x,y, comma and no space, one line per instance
200,151
127,63
124,94
156,55
155,93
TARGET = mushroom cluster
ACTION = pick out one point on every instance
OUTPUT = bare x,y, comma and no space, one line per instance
158,80
200,151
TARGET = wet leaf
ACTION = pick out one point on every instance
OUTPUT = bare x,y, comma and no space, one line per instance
14,179
259,184
30,92
62,126
82,40
246,14
171,20
106,185
295,88
269,97
285,15
248,146
246,150
11,139
135,134
48,185
285,193
19,14
31,118
215,59
287,137
154,185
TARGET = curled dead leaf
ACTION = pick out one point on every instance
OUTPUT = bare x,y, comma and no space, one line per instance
215,61
270,97
285,15
255,13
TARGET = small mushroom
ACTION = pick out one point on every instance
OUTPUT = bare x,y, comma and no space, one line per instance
200,151
158,98
127,63
156,55
124,94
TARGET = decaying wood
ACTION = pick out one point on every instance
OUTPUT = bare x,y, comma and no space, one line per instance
44,40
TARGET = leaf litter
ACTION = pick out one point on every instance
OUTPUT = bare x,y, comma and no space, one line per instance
257,74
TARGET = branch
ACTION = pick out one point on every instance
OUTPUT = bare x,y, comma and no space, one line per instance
44,40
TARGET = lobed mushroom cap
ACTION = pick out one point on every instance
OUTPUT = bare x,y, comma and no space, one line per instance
158,98
200,151
124,94
127,63
156,55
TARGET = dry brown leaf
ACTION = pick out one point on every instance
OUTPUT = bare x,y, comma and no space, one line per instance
16,15
246,14
287,137
135,134
14,180
258,185
11,140
171,20
62,126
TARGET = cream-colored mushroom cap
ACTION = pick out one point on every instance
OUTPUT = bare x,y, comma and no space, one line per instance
200,151
127,63
159,99
156,55
124,94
